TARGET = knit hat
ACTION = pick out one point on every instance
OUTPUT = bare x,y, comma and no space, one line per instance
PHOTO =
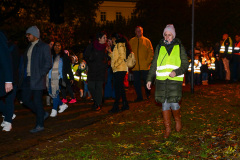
171,29
33,31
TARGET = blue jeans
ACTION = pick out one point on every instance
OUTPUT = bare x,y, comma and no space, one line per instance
109,89
204,76
86,91
138,77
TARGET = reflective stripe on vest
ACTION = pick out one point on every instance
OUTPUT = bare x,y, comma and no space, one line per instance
83,76
167,63
212,66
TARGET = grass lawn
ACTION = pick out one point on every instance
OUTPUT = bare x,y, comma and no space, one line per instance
210,119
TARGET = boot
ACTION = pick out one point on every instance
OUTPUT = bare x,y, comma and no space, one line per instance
48,100
177,117
125,106
115,108
167,123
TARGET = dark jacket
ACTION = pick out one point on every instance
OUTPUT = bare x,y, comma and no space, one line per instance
97,63
67,70
41,63
6,74
16,58
168,89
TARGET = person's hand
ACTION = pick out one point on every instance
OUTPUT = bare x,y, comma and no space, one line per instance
8,87
109,49
148,85
172,74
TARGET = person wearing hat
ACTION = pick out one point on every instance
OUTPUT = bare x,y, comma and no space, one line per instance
169,65
37,62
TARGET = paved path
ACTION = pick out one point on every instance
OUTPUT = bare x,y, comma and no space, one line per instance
76,116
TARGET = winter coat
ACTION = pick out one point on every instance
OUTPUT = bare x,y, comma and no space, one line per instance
118,57
143,52
97,63
41,63
6,71
169,90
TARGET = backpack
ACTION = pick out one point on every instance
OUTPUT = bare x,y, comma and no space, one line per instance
131,60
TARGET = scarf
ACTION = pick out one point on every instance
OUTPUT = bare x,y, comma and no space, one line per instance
98,46
54,78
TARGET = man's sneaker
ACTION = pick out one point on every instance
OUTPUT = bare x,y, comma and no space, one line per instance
7,127
53,113
62,108
14,116
3,123
73,100
64,100
37,129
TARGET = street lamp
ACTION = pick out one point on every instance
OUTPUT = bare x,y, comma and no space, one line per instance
192,55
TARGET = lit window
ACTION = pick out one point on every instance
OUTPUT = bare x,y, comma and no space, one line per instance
118,15
103,16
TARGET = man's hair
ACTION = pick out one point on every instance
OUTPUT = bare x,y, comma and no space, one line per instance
139,27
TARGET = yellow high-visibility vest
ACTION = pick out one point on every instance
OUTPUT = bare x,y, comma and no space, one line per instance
230,47
167,63
196,67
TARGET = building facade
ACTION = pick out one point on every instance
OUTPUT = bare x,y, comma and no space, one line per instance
111,10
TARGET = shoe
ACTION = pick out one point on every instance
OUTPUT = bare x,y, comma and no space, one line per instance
125,106
62,108
14,116
64,100
115,109
53,113
7,126
138,100
73,100
46,115
37,129
3,123
98,108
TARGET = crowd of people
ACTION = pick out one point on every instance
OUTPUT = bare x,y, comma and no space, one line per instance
101,72
220,63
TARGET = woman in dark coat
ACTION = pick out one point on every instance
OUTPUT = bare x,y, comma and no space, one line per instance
96,58
169,65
